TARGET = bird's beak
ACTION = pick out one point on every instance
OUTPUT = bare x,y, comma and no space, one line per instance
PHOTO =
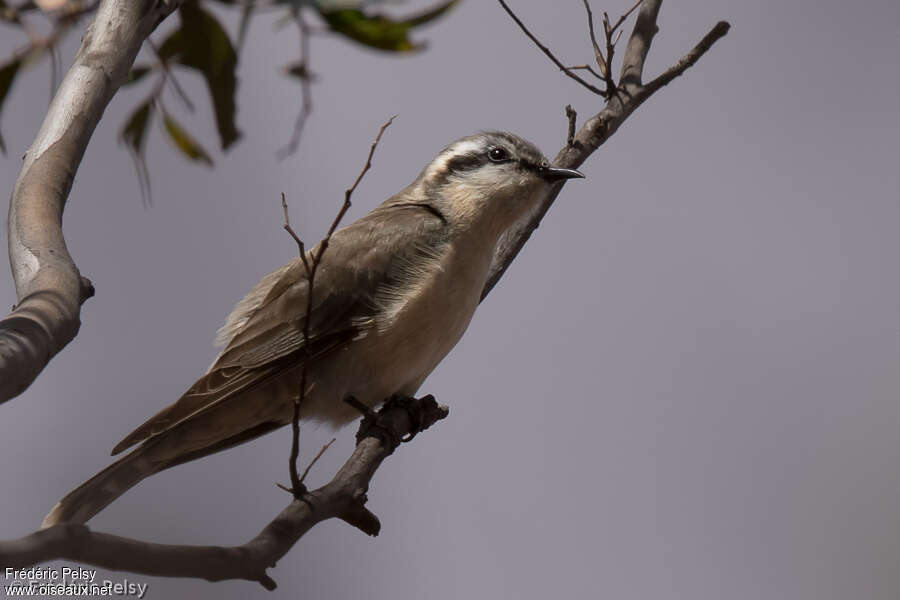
554,174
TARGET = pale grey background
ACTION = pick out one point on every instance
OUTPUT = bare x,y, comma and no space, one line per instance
686,387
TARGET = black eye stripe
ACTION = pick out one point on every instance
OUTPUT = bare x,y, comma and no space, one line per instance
465,162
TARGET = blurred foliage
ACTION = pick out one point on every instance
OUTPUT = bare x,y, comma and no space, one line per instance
379,31
201,44
7,74
183,140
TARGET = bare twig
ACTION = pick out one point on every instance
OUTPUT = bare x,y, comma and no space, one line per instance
349,191
310,266
306,102
343,497
587,68
598,54
625,15
601,126
549,54
611,37
690,58
316,459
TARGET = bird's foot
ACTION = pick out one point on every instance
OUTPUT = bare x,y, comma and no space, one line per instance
399,420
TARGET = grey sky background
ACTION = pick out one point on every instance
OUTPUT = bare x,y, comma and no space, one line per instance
687,385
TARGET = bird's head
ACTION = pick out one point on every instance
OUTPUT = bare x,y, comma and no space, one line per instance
491,177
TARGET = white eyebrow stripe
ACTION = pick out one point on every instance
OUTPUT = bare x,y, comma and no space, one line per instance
439,165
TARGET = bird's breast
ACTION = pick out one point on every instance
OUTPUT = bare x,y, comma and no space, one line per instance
423,315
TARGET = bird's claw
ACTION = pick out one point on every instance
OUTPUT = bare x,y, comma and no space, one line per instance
422,413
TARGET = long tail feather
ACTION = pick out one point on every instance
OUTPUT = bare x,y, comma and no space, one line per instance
93,495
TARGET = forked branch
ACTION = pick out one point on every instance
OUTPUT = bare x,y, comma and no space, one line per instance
344,497
622,100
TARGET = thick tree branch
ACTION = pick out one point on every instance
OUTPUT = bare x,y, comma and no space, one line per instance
645,28
49,287
343,497
624,100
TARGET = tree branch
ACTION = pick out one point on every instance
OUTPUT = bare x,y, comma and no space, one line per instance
549,54
49,287
626,97
343,497
639,43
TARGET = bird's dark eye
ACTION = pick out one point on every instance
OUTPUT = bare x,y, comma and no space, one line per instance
497,154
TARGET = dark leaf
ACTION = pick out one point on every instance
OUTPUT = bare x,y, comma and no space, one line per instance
201,43
136,74
134,136
7,74
379,31
184,142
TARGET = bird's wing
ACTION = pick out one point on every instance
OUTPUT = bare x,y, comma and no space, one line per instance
264,334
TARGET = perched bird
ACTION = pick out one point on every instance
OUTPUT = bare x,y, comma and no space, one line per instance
392,295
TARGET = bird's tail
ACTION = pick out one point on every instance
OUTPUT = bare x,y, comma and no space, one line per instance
93,495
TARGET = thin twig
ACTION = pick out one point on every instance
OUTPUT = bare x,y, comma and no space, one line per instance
290,230
297,488
311,266
349,191
549,54
587,68
688,60
625,15
598,54
316,459
306,101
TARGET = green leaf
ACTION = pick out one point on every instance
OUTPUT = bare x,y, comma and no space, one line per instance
134,135
379,31
136,74
202,44
7,74
184,141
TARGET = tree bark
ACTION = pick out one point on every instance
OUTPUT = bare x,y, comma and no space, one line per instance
49,287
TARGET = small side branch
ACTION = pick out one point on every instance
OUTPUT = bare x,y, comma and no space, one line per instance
568,71
306,101
688,60
344,497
